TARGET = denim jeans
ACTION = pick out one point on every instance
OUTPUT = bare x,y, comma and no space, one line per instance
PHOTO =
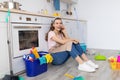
62,57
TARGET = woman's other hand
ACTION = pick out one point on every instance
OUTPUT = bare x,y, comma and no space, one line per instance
75,41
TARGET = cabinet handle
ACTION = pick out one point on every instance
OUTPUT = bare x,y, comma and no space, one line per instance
67,21
21,27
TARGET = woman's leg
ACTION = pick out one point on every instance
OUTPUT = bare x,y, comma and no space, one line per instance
60,57
82,65
75,54
80,50
84,57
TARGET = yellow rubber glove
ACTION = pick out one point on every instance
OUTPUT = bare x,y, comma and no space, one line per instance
49,58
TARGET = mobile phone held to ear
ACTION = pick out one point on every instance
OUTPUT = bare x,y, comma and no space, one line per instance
62,27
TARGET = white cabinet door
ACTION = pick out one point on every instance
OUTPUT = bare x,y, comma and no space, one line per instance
76,29
67,24
71,27
4,56
44,29
83,32
43,42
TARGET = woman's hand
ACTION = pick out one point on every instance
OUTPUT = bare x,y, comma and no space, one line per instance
63,29
75,41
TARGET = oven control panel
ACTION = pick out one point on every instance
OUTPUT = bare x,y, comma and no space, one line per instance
22,18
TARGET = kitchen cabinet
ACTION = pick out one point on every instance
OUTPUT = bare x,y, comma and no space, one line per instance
43,43
76,29
82,31
44,29
70,1
4,55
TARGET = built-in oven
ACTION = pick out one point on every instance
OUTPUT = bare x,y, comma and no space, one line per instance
25,36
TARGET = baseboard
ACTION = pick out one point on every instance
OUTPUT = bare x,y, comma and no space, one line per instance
102,51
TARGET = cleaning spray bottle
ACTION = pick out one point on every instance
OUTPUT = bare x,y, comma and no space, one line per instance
35,52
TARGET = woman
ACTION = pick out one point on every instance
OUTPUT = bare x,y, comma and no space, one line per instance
61,47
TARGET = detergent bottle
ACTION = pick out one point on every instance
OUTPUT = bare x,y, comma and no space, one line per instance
35,52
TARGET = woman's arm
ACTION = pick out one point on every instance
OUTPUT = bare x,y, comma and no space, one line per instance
63,29
61,41
67,37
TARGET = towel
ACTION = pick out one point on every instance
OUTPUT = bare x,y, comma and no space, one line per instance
57,5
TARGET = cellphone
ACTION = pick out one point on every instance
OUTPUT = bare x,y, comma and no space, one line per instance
62,28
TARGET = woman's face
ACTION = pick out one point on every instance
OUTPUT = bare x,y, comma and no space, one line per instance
57,25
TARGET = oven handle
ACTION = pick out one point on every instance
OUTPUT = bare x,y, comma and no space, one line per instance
27,27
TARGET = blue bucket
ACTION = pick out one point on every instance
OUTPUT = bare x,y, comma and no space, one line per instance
35,68
83,46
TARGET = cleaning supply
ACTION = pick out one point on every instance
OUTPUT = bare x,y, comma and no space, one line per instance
35,52
8,15
118,62
118,58
74,78
49,58
83,46
42,60
21,78
13,77
114,62
28,57
100,57
56,14
56,4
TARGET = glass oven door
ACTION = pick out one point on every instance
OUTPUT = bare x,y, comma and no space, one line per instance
25,36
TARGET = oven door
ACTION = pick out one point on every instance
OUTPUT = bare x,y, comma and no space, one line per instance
24,37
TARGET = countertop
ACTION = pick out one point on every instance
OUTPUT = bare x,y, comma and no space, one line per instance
32,13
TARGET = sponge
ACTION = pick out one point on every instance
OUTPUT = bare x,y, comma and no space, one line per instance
99,57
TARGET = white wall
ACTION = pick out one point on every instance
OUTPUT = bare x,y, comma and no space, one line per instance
103,25
35,5
3,1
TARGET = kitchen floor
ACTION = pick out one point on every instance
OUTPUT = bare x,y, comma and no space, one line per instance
103,73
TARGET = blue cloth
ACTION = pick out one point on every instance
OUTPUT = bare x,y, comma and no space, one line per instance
42,60
62,57
57,4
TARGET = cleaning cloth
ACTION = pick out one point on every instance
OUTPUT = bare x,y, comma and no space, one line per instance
57,4
42,60
49,58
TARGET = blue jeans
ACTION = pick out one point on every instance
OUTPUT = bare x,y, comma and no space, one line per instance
62,57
